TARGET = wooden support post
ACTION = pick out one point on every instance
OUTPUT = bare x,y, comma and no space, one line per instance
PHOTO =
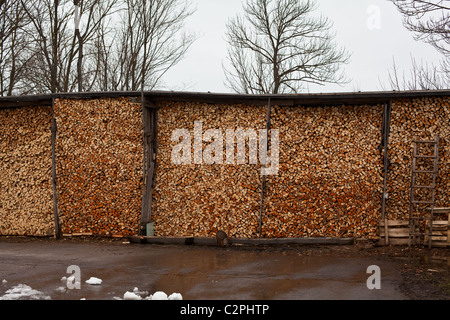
448,230
150,121
385,139
263,177
386,231
54,130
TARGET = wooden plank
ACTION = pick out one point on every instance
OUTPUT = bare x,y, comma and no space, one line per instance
438,238
438,223
439,244
448,230
386,231
263,178
440,229
292,241
385,134
54,130
396,233
392,223
440,210
149,114
242,241
439,233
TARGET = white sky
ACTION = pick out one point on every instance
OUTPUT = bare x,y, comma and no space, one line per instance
372,48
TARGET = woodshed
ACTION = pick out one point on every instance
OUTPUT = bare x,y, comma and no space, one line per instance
188,164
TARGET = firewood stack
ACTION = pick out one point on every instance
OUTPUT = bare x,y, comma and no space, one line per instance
25,172
329,181
199,199
99,165
424,118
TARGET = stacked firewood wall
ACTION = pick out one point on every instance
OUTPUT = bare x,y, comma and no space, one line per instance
99,165
423,118
329,181
199,199
25,172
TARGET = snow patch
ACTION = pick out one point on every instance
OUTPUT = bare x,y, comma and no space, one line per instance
22,291
140,295
175,296
159,295
94,281
131,296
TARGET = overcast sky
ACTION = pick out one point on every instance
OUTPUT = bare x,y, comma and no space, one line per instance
371,30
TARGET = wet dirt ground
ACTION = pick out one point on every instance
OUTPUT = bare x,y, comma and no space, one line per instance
204,272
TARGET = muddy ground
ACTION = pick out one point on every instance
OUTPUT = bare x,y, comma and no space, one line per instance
203,272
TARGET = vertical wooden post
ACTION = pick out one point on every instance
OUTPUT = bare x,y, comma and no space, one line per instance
263,177
55,193
448,231
150,121
386,231
385,138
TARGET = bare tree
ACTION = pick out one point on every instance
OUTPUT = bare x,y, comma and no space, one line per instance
421,76
12,45
430,22
56,44
88,36
150,42
69,45
276,46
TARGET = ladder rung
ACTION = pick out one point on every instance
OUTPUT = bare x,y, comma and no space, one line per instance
419,233
426,187
418,218
424,171
425,141
423,156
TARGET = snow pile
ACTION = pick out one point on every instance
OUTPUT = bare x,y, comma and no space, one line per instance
158,295
94,281
175,296
25,292
22,291
131,296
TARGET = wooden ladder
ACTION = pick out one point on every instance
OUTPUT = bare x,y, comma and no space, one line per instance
423,177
